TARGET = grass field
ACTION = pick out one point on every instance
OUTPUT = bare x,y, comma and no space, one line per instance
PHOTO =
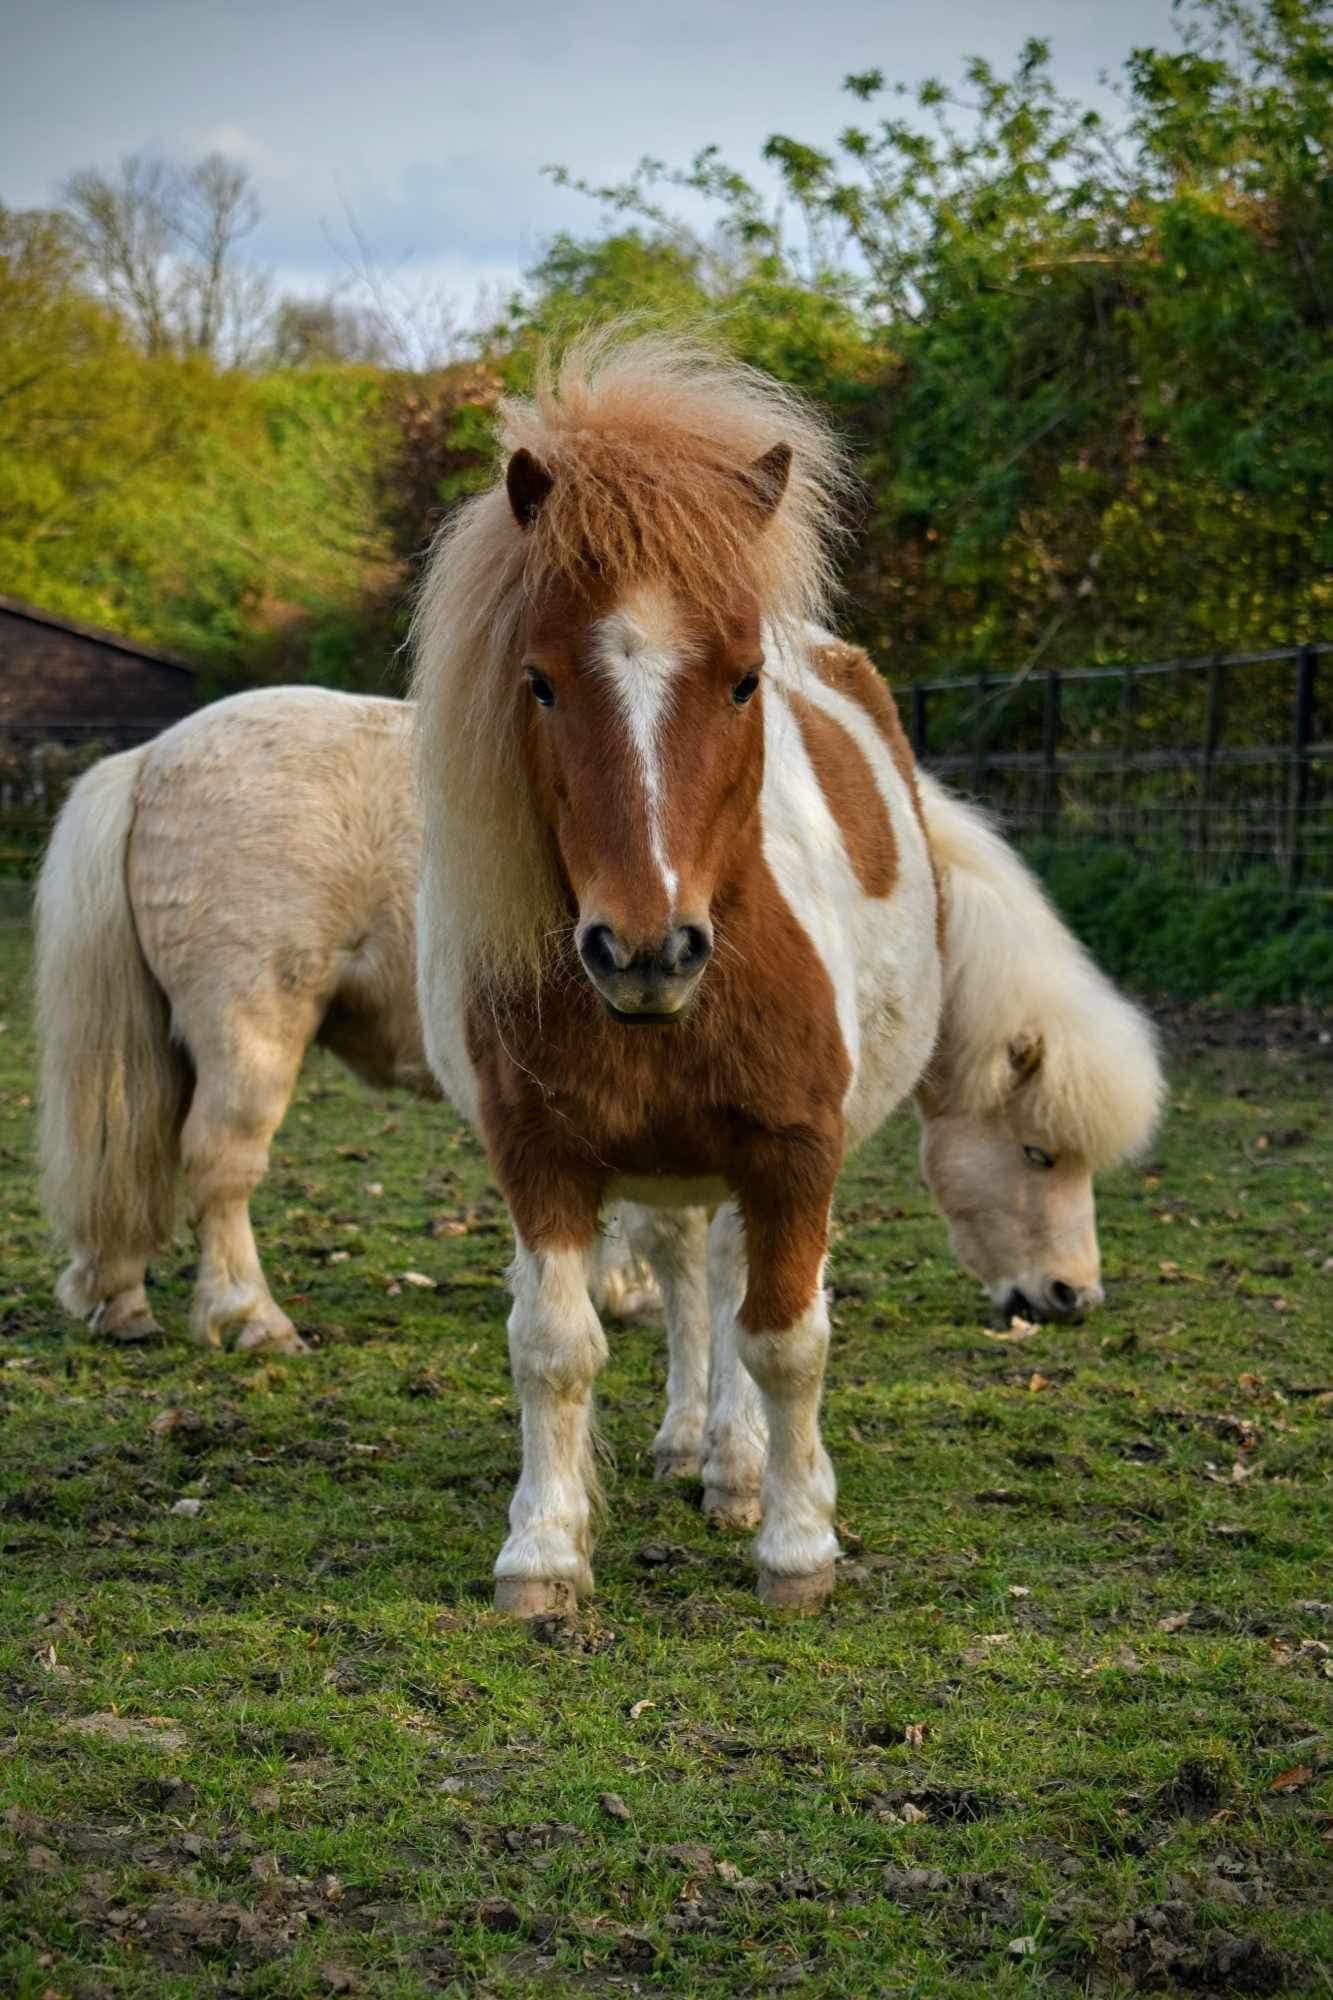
1065,1728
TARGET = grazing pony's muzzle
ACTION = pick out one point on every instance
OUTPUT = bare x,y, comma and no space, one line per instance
1052,1300
642,984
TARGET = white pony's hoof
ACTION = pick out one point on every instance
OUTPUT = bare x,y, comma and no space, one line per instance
256,1337
129,1327
727,1509
676,1465
796,1593
535,1597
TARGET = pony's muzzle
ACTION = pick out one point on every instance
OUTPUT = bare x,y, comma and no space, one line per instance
642,984
1055,1299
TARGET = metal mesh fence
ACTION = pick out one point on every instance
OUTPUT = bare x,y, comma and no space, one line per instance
1225,761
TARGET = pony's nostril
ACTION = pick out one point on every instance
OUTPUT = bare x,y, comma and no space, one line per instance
597,949
1062,1296
686,950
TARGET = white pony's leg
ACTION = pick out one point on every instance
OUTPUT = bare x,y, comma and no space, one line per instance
107,1290
238,1105
736,1437
556,1347
620,1279
675,1243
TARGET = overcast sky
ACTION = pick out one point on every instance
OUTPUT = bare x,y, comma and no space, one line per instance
429,125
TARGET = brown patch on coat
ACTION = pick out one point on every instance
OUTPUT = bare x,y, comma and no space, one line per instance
852,672
851,795
748,1088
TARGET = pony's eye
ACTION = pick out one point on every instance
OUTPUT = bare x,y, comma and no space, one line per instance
1036,1158
541,688
743,689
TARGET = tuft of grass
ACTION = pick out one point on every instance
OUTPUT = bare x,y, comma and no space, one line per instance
1065,1728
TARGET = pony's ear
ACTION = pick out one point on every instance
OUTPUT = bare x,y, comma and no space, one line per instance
527,483
1025,1053
766,481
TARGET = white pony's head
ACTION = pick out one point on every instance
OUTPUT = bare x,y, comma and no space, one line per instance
1044,1075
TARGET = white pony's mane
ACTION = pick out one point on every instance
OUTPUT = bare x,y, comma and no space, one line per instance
1025,1008
649,441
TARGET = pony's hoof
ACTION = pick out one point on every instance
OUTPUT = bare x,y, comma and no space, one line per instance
535,1597
796,1593
676,1465
115,1319
257,1338
137,1328
727,1509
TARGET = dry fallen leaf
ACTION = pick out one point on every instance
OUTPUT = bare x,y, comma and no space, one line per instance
419,1279
615,1808
1036,1382
1017,1329
912,1815
1175,1621
1019,1590
639,1708
915,1734
1292,1780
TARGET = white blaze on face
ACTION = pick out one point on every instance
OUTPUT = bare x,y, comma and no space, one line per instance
637,649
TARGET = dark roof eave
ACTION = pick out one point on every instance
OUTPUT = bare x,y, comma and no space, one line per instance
17,609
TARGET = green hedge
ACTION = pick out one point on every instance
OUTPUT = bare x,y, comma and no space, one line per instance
1153,924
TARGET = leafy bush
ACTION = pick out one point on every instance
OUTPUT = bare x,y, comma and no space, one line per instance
1153,924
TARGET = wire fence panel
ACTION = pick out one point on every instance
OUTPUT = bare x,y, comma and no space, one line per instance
1226,761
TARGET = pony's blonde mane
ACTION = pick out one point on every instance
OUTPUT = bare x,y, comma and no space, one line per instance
648,441
1025,1008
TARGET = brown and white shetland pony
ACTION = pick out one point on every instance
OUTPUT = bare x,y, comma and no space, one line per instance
680,934
244,884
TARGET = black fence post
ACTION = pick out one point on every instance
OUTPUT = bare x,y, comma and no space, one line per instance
1050,757
1298,766
1128,704
920,721
979,738
1212,732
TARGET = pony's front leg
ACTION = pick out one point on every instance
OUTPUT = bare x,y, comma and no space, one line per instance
556,1347
782,1335
736,1437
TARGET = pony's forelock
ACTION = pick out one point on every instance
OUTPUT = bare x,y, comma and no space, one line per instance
1028,1017
649,442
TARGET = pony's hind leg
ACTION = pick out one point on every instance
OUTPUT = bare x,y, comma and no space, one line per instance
107,1290
674,1242
239,1102
556,1347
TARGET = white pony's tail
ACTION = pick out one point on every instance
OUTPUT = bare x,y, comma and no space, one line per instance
112,1086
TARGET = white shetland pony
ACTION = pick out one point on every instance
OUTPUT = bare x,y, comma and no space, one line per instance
680,932
210,905
244,884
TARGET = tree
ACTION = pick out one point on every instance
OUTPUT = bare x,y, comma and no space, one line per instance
161,242
1085,365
